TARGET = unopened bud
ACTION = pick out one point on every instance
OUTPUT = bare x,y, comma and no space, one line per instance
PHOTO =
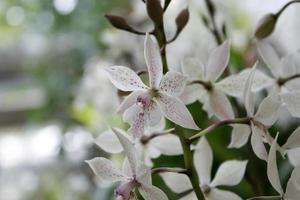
155,11
182,19
266,26
118,22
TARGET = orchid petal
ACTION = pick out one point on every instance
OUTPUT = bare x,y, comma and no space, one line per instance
293,185
129,100
173,83
124,78
203,158
234,85
153,114
143,175
217,194
178,183
106,170
153,61
257,143
217,61
287,66
220,105
176,111
239,136
193,68
109,142
268,109
152,193
137,127
167,144
129,150
292,102
248,97
294,156
270,57
293,141
272,169
192,93
230,173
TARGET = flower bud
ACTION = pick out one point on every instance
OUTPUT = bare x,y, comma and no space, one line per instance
155,11
266,26
182,19
118,22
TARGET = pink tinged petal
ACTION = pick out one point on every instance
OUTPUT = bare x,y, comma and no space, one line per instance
293,141
109,142
257,142
125,79
293,185
294,156
193,68
175,111
268,110
167,144
191,93
178,183
239,136
272,169
129,100
129,150
137,128
125,190
248,96
220,105
173,83
292,102
153,61
126,168
106,170
153,114
270,57
152,193
203,158
217,194
230,173
130,114
217,61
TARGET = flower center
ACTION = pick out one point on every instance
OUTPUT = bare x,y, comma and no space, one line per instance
205,189
144,100
125,190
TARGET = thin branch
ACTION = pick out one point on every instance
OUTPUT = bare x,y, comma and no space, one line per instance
265,197
168,169
245,120
285,7
285,80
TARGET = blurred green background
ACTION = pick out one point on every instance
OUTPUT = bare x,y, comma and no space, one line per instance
54,99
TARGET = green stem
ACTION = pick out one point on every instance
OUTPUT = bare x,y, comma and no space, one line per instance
189,162
245,120
283,81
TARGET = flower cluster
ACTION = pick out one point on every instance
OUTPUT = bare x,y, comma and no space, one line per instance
147,107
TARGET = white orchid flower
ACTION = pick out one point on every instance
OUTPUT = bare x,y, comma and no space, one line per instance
214,100
133,176
265,116
230,173
154,142
292,147
281,69
145,105
292,191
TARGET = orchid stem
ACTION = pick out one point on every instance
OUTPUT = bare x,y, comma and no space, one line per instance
167,169
189,163
265,197
245,120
